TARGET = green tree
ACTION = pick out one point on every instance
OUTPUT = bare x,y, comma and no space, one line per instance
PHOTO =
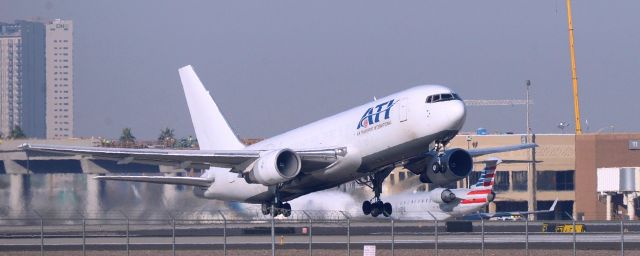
127,138
17,133
167,137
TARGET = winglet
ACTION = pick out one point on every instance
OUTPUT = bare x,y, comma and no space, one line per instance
212,130
553,206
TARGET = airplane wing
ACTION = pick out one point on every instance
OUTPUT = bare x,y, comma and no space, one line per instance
485,151
518,213
237,160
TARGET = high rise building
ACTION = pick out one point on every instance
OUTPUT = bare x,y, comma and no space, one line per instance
10,77
59,76
22,78
33,78
36,78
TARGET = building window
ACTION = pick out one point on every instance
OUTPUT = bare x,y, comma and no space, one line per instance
555,180
474,177
401,176
520,180
501,181
564,180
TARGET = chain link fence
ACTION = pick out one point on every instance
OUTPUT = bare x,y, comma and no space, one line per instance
303,230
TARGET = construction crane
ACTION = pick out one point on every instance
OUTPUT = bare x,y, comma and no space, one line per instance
574,75
483,103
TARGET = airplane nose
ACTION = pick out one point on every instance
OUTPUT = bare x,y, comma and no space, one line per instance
458,114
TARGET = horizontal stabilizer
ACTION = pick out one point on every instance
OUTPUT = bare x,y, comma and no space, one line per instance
187,181
507,161
485,151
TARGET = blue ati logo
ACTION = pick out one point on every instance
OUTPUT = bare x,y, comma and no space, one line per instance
372,115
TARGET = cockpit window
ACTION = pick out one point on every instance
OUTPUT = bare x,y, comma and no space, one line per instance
443,97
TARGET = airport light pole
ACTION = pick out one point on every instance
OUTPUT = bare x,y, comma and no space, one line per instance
531,175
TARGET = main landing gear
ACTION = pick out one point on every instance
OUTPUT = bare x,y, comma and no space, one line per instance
276,207
375,206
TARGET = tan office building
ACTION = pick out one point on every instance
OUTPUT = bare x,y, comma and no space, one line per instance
59,68
566,170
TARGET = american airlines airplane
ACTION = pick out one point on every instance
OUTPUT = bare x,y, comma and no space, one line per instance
443,204
410,128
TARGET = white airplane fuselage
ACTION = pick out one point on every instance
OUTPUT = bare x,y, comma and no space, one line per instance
377,134
420,206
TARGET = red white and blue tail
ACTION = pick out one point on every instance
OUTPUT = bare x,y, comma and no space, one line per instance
487,178
482,191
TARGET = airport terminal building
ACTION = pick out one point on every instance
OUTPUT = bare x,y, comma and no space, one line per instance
566,169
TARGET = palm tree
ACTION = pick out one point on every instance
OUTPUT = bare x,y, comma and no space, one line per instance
17,133
167,138
127,138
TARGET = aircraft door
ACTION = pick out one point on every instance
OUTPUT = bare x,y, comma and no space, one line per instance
402,115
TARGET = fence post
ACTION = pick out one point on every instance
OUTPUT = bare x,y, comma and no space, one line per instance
310,227
127,231
348,232
482,229
273,231
573,223
393,238
622,237
435,232
224,233
574,237
84,236
173,235
526,236
128,228
41,231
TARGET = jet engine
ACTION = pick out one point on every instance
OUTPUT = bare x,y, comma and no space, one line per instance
455,164
442,195
491,196
274,167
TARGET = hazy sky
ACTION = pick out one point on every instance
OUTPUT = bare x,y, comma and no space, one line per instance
275,65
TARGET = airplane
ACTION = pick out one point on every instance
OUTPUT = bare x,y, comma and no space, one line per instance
443,204
410,128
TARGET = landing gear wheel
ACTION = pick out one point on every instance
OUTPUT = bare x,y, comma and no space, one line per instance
276,211
376,209
366,207
436,167
266,209
387,209
286,210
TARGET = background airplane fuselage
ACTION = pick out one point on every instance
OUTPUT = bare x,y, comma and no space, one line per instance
419,205
376,134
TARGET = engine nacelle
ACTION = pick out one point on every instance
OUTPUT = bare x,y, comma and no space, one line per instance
275,167
491,196
442,195
454,165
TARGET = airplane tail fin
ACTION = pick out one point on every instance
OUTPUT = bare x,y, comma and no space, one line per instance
487,177
212,129
482,191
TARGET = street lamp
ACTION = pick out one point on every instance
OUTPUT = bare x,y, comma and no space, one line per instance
563,125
